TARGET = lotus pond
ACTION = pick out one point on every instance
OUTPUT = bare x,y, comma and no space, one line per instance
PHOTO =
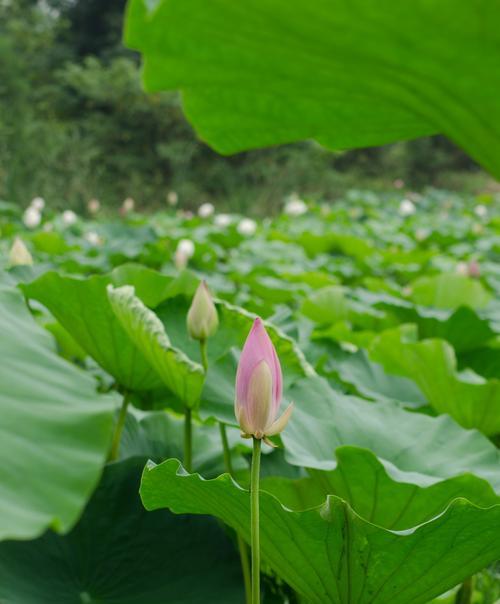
384,487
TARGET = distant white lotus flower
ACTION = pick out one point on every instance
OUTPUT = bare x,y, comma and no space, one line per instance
295,207
246,226
481,211
206,210
93,238
421,234
93,206
462,268
180,259
32,218
69,218
19,254
172,198
128,205
48,227
186,247
407,207
222,220
38,203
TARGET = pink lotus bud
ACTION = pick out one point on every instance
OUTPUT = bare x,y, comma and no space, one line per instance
259,386
202,319
474,270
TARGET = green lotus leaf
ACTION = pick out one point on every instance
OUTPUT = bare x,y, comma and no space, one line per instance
331,554
121,553
449,291
179,374
412,447
470,399
268,72
55,430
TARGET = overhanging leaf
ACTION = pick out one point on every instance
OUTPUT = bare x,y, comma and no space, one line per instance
265,72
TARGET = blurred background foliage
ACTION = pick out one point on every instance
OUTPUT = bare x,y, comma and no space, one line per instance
75,124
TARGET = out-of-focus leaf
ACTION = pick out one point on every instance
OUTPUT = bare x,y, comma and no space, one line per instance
121,553
266,72
55,430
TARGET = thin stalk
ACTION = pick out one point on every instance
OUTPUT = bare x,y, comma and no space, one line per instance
242,546
464,595
254,520
204,355
188,440
115,445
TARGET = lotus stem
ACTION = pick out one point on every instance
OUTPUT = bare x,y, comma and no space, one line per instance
242,546
254,520
115,445
188,440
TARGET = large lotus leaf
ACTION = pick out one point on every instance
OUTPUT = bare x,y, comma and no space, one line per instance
463,327
412,447
331,554
371,381
265,72
119,553
361,480
449,290
179,373
470,399
159,435
327,305
153,287
55,430
83,309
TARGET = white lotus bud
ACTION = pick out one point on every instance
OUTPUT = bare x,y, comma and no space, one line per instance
186,247
128,205
222,220
69,218
202,319
172,198
246,226
19,254
32,218
421,234
93,238
93,206
462,268
295,207
206,210
407,207
481,211
38,203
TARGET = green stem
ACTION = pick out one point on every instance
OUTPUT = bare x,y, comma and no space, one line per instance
242,546
464,595
188,440
204,355
115,445
254,518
